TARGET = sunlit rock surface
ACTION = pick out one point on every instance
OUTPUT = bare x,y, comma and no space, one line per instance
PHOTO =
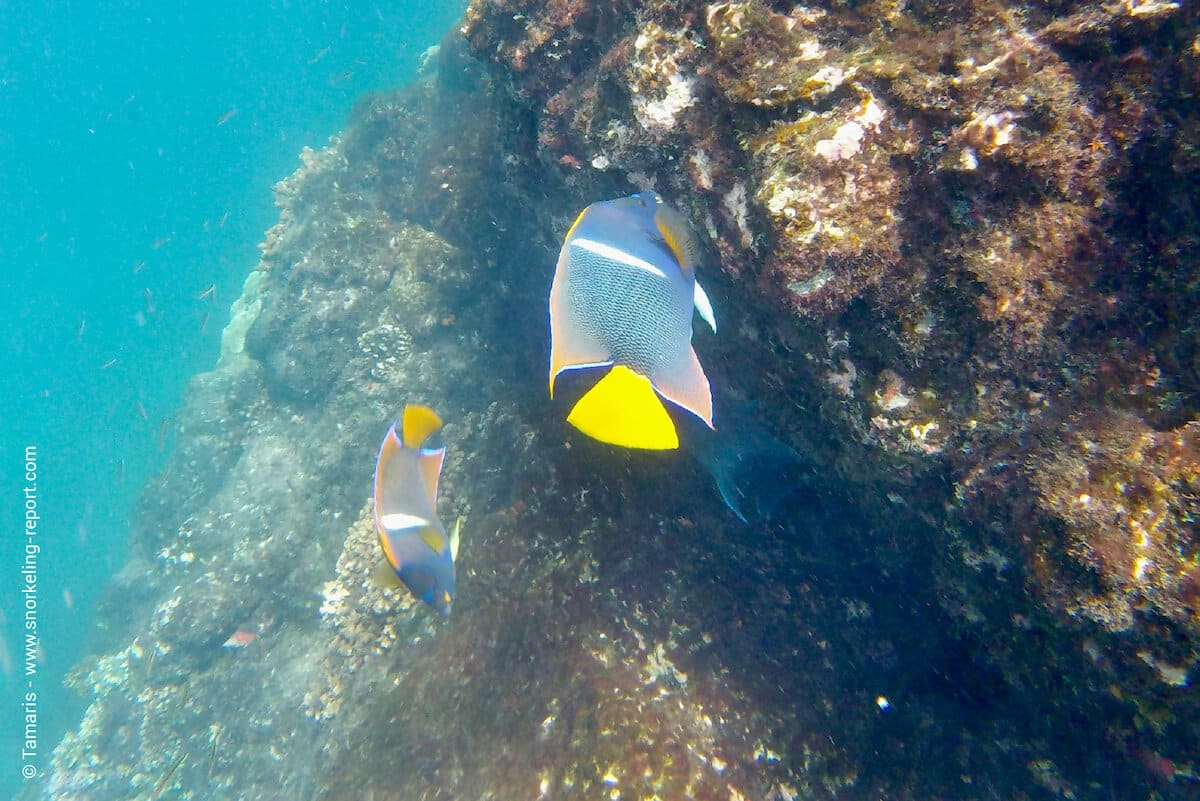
954,250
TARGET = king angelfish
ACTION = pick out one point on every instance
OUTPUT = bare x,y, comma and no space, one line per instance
623,297
413,539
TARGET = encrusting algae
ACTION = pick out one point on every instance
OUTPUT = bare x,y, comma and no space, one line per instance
1128,498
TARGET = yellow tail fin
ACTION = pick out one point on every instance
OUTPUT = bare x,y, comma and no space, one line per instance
419,422
623,409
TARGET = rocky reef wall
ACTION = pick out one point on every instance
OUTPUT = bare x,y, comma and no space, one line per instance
979,222
953,258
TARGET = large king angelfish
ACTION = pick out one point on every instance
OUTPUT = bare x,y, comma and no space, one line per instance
623,296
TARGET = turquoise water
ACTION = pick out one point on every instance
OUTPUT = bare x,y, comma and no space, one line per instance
138,148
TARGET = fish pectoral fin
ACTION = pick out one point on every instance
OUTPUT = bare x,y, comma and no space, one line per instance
454,538
679,236
385,576
623,409
704,307
433,538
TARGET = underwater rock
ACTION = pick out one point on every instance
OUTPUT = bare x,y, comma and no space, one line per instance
1126,498
457,71
980,220
244,525
771,60
364,618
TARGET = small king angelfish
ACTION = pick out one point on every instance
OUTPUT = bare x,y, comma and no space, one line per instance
413,539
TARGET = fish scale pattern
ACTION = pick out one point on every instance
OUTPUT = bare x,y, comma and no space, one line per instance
632,312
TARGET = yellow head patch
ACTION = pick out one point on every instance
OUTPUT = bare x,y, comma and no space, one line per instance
678,235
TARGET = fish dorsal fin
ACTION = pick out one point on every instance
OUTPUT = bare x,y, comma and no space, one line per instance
575,224
455,537
387,452
419,422
680,238
623,409
430,465
704,307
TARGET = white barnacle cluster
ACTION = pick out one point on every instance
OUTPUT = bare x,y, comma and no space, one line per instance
701,165
657,114
1173,675
847,140
987,133
1149,8
982,136
906,419
177,553
828,182
166,611
109,673
843,380
661,90
736,205
661,671
333,600
387,347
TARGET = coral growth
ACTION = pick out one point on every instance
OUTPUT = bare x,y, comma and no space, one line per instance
366,619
